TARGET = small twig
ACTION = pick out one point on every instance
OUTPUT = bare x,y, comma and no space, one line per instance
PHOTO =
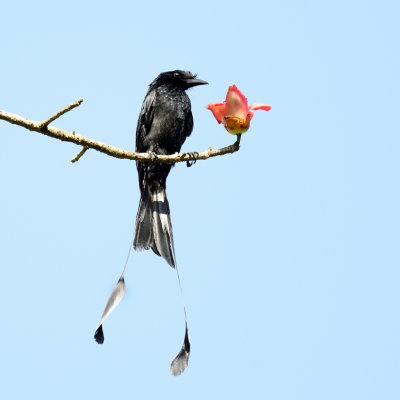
58,114
87,143
80,154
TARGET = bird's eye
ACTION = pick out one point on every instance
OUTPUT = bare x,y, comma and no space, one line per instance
177,75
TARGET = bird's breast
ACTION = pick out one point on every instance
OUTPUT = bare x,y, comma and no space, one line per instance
169,126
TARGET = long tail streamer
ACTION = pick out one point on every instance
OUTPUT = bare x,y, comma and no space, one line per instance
180,362
115,298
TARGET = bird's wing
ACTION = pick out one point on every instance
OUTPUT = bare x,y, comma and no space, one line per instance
145,119
143,128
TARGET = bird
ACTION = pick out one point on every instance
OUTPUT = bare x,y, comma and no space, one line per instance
164,123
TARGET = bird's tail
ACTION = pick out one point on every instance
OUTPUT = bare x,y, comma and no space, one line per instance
153,224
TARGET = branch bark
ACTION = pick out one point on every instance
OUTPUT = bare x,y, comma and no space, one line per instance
87,143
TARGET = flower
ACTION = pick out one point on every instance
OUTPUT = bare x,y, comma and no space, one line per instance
234,112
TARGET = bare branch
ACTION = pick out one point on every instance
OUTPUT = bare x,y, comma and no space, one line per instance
80,154
87,143
61,112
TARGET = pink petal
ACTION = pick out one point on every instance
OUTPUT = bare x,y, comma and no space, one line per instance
233,89
259,106
236,103
218,110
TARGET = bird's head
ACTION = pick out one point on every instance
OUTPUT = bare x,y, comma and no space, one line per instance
177,78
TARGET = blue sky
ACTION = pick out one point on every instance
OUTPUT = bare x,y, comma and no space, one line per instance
288,249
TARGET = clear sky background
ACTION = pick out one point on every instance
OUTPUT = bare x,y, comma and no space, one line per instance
288,249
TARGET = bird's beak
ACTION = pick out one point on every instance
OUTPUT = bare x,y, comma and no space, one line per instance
195,82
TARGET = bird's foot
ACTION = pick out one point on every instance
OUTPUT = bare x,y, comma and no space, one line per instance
193,158
153,156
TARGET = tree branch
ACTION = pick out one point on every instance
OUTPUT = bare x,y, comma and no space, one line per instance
87,143
46,123
80,154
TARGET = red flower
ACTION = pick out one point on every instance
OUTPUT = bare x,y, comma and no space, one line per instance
234,112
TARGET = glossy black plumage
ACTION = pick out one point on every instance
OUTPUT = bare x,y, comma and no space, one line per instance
164,123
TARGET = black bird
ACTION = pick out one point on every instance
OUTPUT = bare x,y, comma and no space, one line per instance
165,121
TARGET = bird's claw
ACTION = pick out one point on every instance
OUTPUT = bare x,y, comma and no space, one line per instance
193,158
